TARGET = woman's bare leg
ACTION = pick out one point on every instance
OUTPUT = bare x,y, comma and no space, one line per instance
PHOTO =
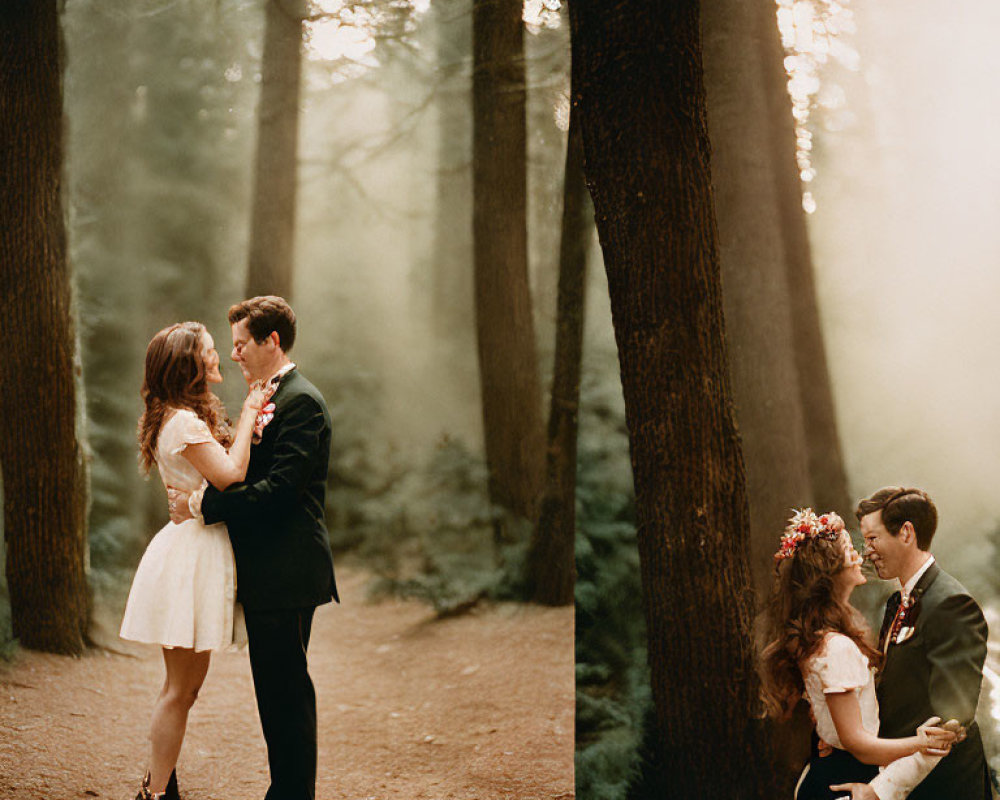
186,672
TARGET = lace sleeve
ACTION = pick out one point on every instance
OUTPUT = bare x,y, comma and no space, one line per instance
901,777
187,428
842,666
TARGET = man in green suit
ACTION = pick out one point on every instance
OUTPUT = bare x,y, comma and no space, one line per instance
275,517
934,639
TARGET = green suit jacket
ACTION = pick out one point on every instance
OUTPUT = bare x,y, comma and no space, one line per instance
936,669
276,516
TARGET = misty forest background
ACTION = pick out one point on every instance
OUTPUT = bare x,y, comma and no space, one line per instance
409,174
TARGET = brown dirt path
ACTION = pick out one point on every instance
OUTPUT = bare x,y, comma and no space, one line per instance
474,708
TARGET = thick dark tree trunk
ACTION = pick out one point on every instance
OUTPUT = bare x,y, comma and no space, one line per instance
758,303
508,362
638,88
272,224
551,565
826,461
44,480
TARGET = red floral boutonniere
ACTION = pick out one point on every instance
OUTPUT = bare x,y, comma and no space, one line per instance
902,626
266,413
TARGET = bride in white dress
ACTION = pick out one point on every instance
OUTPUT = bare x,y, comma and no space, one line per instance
183,596
819,649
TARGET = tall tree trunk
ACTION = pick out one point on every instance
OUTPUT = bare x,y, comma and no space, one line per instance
508,362
451,304
638,87
272,224
42,461
551,565
826,460
758,302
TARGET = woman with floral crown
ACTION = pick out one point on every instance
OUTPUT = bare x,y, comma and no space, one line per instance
819,648
183,596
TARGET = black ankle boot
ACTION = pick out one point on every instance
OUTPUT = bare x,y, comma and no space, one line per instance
172,793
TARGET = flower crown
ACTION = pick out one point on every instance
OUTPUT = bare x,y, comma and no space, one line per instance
803,525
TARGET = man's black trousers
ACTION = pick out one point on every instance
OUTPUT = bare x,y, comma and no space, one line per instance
286,699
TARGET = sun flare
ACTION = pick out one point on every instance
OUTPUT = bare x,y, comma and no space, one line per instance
813,32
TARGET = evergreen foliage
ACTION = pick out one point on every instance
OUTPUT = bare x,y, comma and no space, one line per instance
612,684
429,531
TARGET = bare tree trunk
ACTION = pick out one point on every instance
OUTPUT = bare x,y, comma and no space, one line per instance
638,87
272,225
551,564
826,460
451,267
758,303
764,249
44,478
508,363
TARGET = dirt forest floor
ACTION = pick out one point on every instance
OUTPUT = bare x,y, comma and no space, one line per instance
479,707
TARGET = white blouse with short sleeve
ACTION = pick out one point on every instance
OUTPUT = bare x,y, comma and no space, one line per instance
840,666
182,429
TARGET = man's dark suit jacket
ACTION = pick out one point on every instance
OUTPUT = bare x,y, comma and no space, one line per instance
938,671
276,516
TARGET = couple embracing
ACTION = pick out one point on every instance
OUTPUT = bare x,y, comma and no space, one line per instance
245,557
878,707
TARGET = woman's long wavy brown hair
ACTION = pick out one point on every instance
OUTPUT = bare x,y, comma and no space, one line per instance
175,378
802,608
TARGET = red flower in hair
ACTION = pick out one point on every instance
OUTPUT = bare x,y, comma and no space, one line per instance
804,525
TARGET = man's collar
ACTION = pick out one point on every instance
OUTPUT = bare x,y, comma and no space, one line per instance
277,376
911,584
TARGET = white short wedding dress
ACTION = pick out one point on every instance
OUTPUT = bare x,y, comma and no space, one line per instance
184,590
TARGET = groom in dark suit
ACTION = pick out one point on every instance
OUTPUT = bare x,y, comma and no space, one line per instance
284,568
934,638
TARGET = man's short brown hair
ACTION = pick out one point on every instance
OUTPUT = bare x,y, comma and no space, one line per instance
899,505
264,314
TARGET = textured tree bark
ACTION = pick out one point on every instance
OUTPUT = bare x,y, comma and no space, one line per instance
758,303
780,380
638,88
272,223
826,460
551,564
782,389
508,363
44,479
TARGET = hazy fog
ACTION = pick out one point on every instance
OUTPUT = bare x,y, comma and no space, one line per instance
907,244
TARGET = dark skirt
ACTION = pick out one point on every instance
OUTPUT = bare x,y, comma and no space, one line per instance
838,767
